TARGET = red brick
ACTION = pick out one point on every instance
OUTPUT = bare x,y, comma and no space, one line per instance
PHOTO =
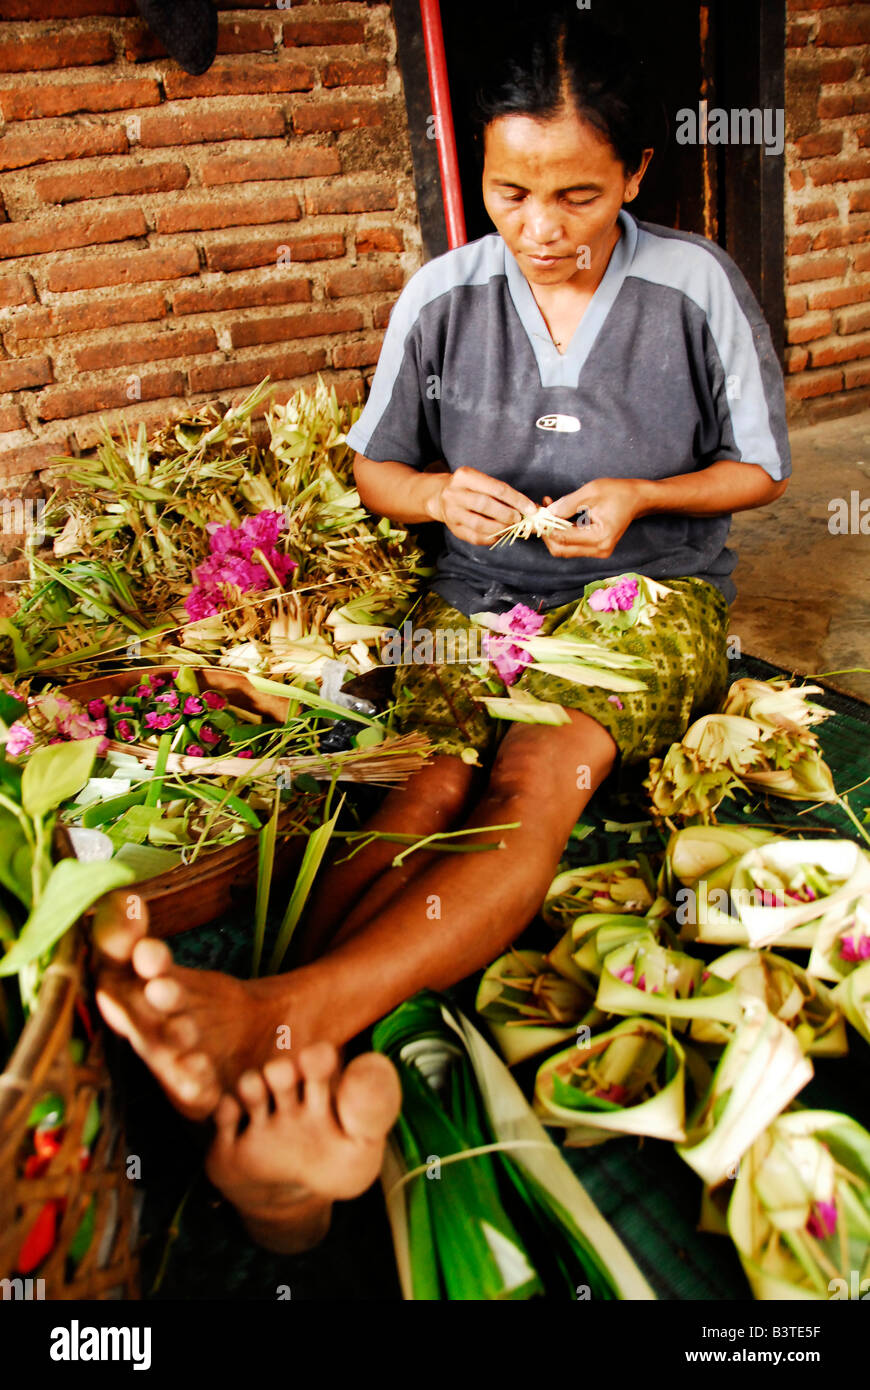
56,99
238,79
66,50
831,108
834,299
336,115
797,178
361,354
854,232
836,70
20,148
282,162
859,201
381,314
215,376
65,230
252,294
861,259
825,142
234,36
65,9
856,166
26,372
815,212
183,215
370,281
120,180
797,245
16,289
250,332
242,255
812,326
842,352
11,418
167,263
353,198
854,28
795,304
54,320
375,239
300,33
856,376
62,402
809,384
817,268
184,127
863,134
125,351
855,320
343,72
797,35
29,458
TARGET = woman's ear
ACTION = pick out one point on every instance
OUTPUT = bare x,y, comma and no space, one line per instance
634,181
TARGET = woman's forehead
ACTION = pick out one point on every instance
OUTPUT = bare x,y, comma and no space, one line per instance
565,149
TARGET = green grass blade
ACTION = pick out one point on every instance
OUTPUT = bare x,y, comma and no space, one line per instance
265,865
311,861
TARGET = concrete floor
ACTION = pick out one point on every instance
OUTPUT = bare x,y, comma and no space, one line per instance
803,593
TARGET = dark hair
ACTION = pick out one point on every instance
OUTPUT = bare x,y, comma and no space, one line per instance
536,64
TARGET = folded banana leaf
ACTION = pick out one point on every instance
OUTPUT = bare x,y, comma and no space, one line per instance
643,977
790,994
530,1008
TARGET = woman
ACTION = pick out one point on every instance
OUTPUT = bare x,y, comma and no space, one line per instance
575,355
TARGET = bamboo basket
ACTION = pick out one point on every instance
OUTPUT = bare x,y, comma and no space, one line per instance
41,1065
188,896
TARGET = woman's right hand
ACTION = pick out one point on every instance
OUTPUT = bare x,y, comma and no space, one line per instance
475,507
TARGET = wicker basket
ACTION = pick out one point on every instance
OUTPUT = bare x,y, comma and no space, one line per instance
191,895
42,1065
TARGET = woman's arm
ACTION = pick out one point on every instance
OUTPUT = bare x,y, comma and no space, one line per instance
470,504
614,503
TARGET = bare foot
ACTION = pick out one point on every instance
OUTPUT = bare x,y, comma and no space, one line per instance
197,1030
314,1134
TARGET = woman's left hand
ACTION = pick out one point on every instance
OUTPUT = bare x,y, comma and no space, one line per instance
612,504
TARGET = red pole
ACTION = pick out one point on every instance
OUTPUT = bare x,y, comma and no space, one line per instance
439,87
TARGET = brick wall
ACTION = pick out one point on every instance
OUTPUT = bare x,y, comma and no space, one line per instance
167,238
828,208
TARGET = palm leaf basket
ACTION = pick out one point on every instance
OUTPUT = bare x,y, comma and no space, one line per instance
98,1196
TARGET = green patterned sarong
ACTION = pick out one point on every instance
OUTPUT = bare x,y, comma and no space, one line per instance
686,645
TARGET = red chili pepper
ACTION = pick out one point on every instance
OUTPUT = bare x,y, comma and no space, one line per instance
84,1159
40,1238
34,1166
47,1142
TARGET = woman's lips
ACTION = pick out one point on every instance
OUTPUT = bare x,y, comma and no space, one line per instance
544,260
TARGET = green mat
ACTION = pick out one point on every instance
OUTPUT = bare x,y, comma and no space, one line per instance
641,1186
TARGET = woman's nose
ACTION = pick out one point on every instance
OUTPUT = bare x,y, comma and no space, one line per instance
542,224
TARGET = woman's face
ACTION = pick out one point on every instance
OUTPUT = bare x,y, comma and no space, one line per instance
553,187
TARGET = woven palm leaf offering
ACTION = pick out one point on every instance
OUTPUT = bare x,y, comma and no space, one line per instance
645,977
630,1079
621,887
799,1214
198,545
792,995
530,1007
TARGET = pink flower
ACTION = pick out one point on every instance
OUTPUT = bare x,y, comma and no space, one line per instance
823,1220
855,948
507,658
170,698
626,974
194,751
124,730
213,700
522,621
143,691
120,707
199,605
193,705
618,597
641,984
19,739
208,734
244,753
615,700
160,721
97,709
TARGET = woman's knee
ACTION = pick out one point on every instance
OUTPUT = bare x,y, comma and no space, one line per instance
441,788
542,761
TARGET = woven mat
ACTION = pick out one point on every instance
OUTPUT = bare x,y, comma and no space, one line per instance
641,1186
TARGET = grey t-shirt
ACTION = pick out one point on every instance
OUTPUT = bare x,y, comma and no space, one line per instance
671,368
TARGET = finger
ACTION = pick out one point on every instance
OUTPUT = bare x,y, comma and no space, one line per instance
476,504
477,482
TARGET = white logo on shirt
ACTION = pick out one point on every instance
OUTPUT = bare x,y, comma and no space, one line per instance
563,424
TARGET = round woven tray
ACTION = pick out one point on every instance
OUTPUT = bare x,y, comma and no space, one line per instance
42,1064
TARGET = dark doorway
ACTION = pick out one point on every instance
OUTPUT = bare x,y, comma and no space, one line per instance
728,52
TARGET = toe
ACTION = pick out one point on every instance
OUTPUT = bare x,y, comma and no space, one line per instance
151,958
181,1032
227,1117
193,1080
318,1064
369,1097
166,995
120,920
254,1095
282,1079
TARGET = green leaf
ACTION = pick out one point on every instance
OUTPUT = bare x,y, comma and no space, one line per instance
14,857
265,864
53,774
315,849
10,707
71,888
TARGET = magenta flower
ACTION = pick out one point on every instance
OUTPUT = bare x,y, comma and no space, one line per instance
19,739
213,700
156,682
854,948
194,751
244,753
169,697
193,705
124,730
97,709
143,691
626,974
121,707
232,563
160,721
823,1220
615,700
508,659
199,605
522,621
209,735
614,598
